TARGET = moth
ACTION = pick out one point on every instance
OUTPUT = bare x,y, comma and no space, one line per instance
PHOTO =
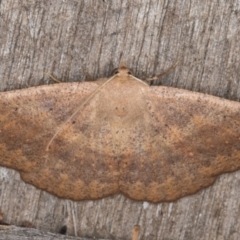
89,140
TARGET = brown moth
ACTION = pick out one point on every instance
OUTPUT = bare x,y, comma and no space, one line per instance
90,140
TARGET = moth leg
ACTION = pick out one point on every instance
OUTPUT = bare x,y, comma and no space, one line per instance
164,73
88,76
52,77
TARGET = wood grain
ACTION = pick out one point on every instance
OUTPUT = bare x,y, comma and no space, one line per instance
69,38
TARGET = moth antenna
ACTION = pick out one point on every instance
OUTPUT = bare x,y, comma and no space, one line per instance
139,80
78,109
135,232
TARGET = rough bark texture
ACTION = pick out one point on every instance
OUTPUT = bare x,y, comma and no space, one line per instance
69,38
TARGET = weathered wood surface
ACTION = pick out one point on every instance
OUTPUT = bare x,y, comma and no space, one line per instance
68,38
18,233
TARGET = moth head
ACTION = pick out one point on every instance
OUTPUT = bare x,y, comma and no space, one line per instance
122,70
